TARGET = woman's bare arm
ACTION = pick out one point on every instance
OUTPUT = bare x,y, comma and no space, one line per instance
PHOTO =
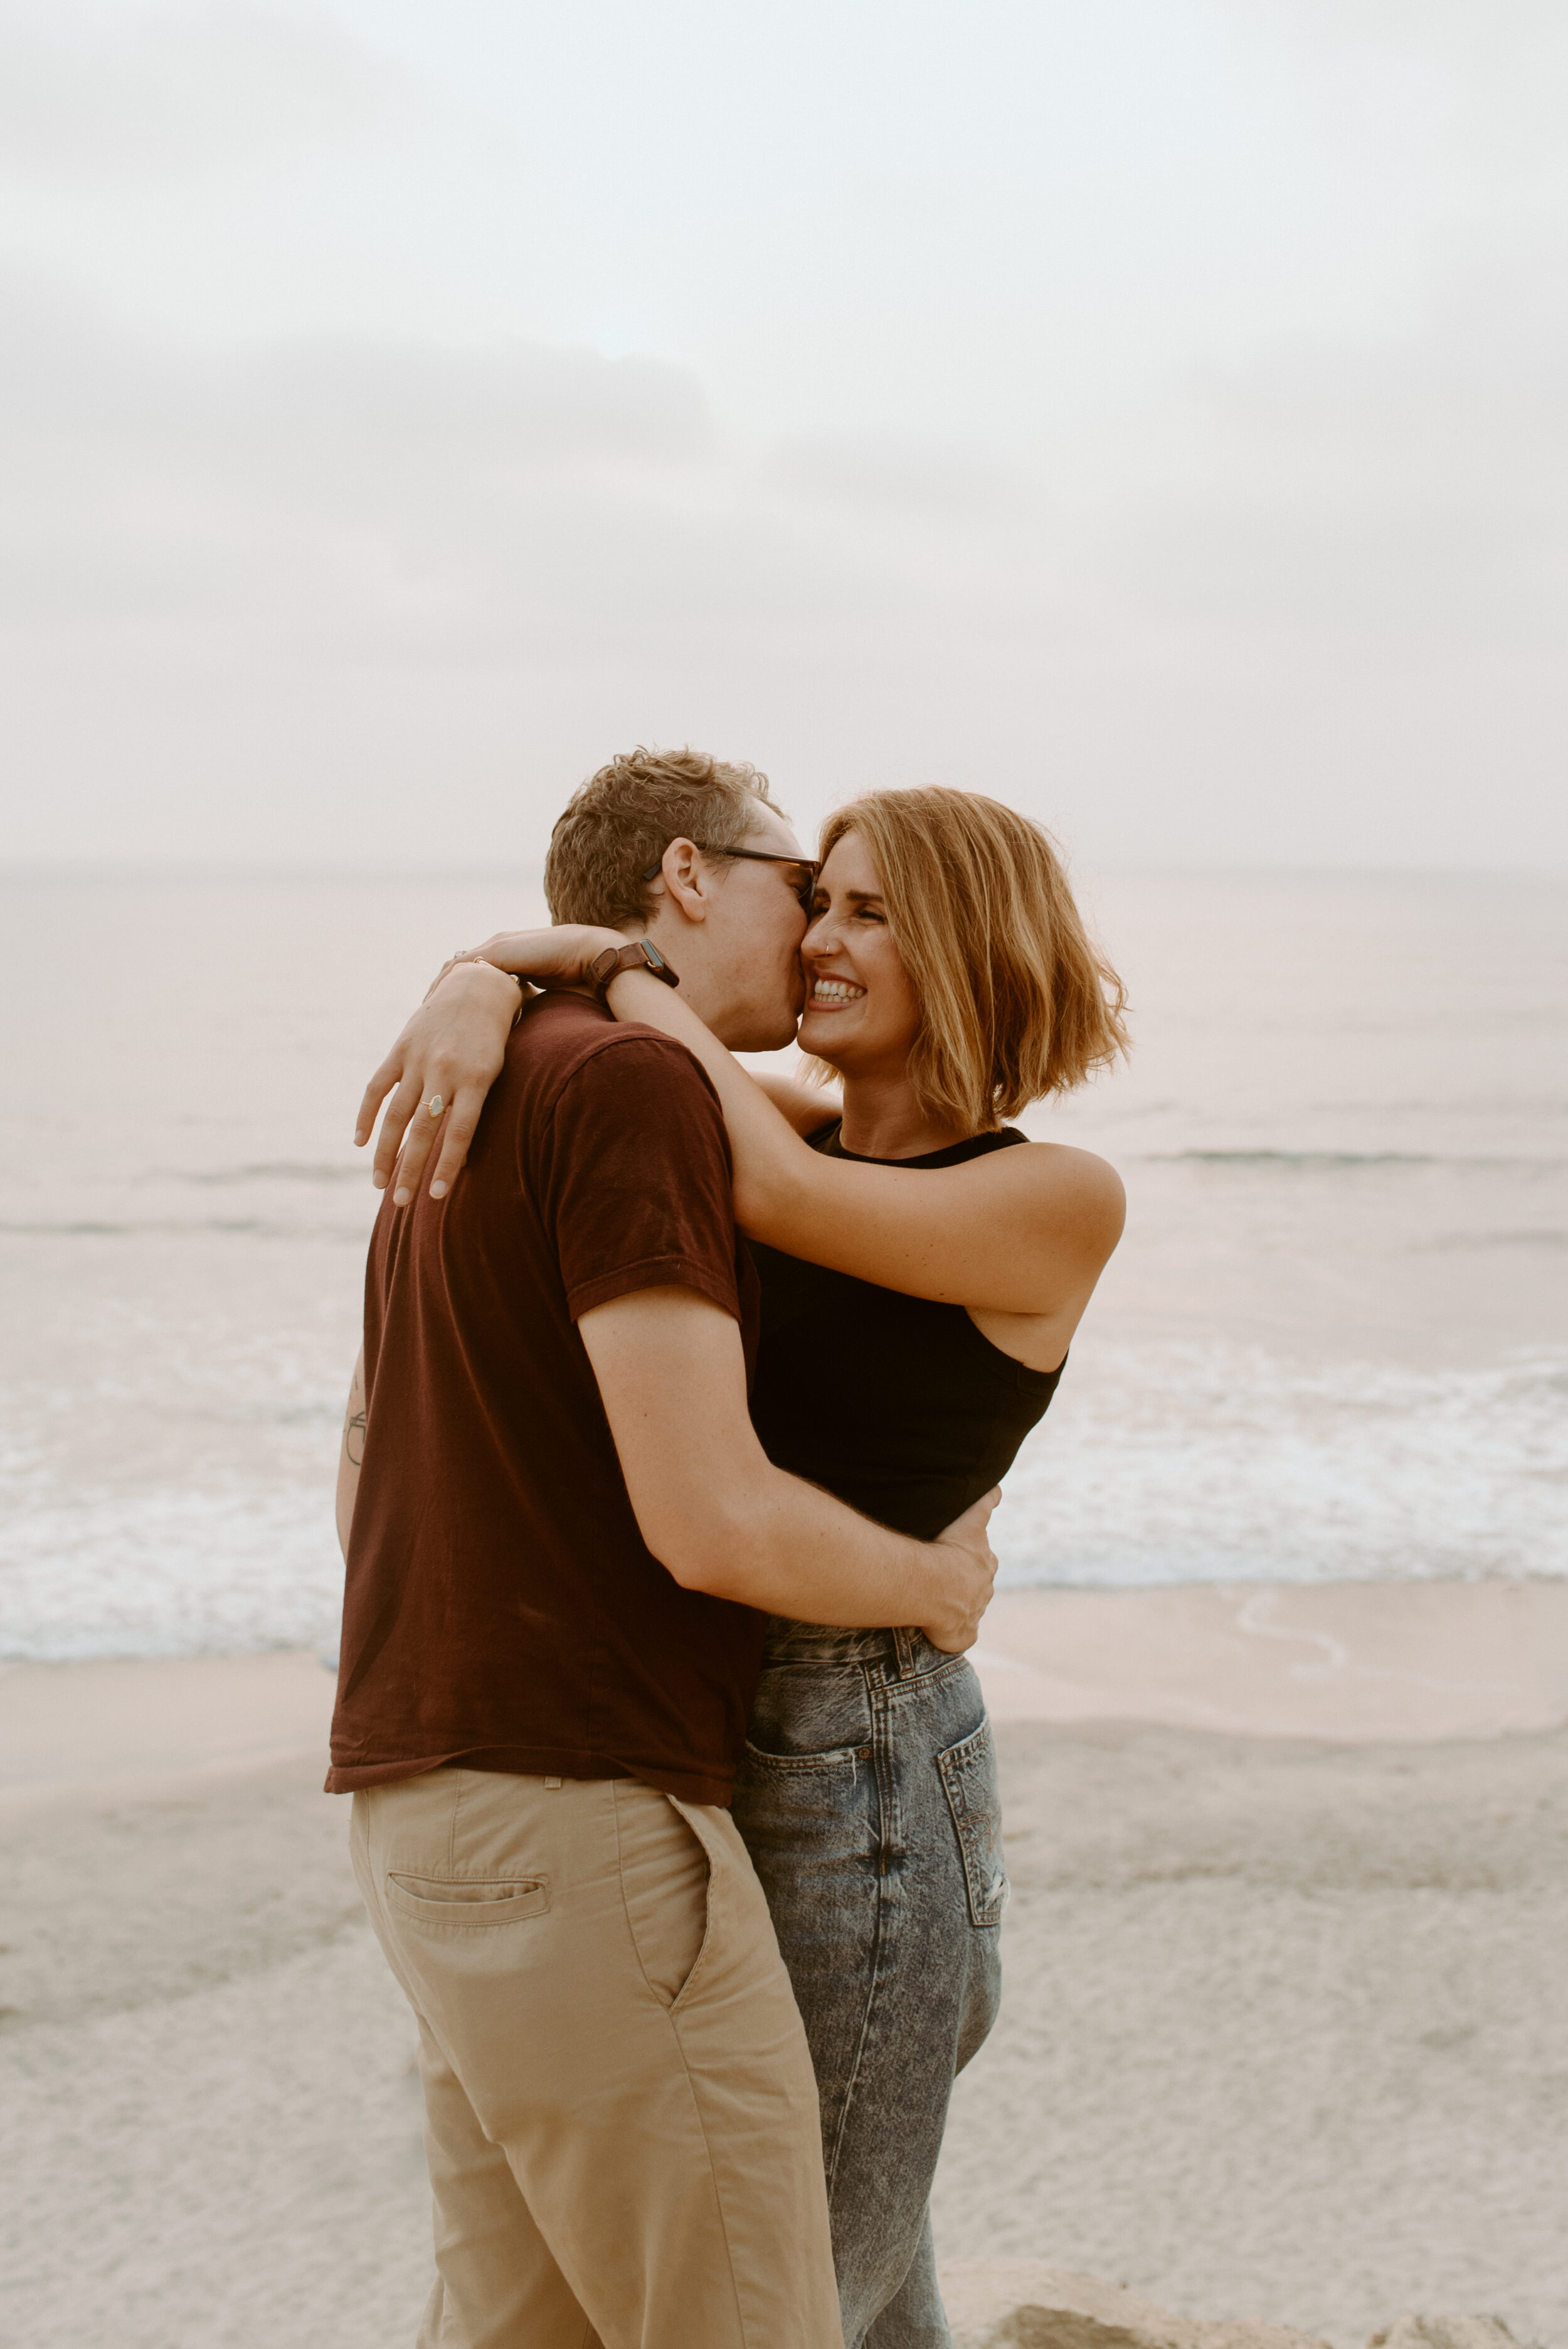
1019,1231
450,1050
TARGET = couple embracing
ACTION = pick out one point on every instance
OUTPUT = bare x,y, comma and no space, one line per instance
671,1450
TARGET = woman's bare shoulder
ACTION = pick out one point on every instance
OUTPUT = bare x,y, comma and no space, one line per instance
1056,1178
1058,1162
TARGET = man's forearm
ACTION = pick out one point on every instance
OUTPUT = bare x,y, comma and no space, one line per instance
791,1550
713,1508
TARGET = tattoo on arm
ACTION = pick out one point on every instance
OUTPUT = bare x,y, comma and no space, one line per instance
354,1422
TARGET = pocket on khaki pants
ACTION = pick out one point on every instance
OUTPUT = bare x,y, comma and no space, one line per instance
664,1881
465,1904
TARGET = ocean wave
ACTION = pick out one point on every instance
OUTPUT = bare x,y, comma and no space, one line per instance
1450,1243
1158,1464
183,1227
1198,1463
171,1572
1318,1161
281,1170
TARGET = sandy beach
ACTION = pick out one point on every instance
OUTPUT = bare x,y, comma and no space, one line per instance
1285,2031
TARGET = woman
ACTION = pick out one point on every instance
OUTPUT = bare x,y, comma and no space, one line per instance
923,1269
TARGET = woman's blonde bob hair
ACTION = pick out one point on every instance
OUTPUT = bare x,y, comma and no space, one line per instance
1017,1002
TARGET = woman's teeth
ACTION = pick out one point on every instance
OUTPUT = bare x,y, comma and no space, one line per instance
835,990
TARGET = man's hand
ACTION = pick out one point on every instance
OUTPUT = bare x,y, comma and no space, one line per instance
973,1574
451,1050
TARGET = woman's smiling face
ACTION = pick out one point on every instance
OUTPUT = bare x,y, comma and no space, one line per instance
861,1011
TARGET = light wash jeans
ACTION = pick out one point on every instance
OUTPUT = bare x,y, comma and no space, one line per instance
868,1800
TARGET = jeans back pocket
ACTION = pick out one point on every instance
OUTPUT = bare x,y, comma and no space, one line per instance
969,1780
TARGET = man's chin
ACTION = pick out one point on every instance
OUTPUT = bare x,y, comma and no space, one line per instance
769,1038
763,1026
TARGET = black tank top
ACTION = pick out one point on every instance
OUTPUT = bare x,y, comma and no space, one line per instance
895,1404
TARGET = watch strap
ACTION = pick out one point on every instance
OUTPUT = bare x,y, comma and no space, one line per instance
640,955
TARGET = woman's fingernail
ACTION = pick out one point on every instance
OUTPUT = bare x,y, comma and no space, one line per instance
400,1198
438,1190
379,1180
358,1137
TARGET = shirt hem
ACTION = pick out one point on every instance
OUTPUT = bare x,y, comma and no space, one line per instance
538,1762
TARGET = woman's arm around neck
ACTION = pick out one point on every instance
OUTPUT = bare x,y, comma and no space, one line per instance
1025,1231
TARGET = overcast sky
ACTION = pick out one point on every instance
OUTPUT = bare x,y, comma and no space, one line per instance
1152,411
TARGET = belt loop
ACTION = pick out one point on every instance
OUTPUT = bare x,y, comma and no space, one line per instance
904,1651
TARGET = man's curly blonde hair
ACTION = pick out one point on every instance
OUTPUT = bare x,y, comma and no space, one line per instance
622,819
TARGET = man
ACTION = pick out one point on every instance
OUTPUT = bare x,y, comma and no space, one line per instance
557,1539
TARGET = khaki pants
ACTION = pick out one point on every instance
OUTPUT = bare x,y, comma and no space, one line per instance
621,2117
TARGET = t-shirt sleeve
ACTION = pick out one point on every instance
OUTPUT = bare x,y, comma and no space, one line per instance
637,1180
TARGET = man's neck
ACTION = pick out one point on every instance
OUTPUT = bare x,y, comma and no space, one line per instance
699,988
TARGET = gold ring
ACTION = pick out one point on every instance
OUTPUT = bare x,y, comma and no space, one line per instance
434,1105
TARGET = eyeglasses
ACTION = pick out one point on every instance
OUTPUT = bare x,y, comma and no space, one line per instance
810,865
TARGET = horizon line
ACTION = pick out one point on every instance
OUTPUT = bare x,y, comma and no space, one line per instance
17,869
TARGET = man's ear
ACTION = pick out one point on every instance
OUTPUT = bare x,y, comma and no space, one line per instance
688,882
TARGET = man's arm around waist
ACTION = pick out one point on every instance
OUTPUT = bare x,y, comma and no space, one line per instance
715,1512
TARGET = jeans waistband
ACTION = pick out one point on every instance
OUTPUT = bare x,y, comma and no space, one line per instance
903,1654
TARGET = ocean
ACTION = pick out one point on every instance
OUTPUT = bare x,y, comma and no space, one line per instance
1334,1343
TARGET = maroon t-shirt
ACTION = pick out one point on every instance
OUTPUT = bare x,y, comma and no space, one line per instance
502,1608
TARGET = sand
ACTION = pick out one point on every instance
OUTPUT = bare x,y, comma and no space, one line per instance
1285,2030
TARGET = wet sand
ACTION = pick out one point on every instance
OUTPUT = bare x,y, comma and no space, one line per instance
1285,2030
